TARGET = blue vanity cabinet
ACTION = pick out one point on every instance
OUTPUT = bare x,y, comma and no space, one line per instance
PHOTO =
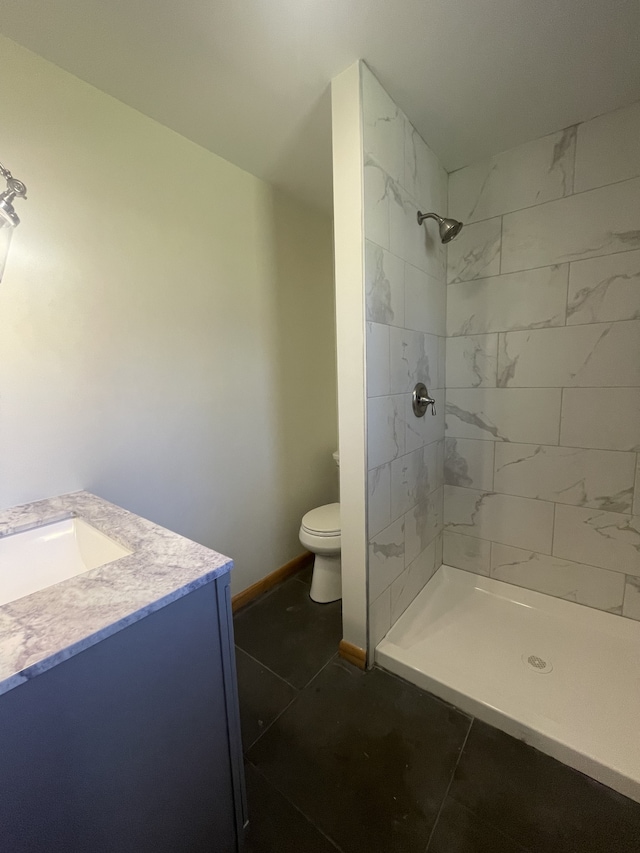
133,745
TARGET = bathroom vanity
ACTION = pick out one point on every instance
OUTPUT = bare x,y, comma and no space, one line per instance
119,726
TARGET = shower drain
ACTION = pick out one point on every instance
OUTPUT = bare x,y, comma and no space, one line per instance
537,664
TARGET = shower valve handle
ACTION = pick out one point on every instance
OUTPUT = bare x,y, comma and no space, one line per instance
422,401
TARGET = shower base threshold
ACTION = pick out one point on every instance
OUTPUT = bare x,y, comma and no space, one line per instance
559,676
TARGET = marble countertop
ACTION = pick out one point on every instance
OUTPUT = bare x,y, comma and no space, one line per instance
51,625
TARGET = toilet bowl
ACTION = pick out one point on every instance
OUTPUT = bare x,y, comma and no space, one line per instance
320,534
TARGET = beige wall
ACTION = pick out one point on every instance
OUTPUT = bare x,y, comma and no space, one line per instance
346,128
166,326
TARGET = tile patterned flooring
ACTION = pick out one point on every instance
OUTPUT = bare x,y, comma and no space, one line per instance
342,760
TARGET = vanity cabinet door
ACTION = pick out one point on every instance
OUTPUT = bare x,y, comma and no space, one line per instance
132,745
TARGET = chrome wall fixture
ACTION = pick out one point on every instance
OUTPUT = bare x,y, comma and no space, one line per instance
421,401
449,228
9,219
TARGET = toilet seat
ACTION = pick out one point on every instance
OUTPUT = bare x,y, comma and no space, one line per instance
323,521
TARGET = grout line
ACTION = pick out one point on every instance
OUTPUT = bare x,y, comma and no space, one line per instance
566,302
551,200
299,810
404,297
404,261
275,719
444,799
492,492
264,666
390,345
493,542
388,208
535,444
334,657
560,328
557,263
537,328
494,828
625,587
549,387
562,390
298,692
493,464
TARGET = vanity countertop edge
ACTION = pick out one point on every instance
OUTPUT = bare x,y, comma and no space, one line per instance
43,629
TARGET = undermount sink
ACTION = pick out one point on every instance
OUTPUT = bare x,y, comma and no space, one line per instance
42,556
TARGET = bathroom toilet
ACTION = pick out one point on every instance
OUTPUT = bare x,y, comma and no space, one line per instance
320,534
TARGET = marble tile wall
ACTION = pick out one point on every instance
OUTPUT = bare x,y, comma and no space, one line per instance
542,452
405,294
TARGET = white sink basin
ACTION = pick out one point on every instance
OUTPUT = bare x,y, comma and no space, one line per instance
46,555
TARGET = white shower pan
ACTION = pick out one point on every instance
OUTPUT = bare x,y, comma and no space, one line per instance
562,677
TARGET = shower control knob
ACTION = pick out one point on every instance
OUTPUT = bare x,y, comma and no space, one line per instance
422,401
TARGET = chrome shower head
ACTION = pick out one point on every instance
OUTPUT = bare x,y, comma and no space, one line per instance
449,228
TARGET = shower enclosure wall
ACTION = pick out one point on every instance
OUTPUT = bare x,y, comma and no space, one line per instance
543,366
540,324
405,298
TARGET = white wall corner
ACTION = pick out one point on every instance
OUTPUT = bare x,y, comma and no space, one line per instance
348,203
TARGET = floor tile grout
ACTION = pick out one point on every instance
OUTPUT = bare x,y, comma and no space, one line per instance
262,733
333,657
264,666
245,750
446,794
494,828
300,812
287,706
282,793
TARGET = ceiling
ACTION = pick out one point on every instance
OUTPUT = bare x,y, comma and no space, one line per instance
248,79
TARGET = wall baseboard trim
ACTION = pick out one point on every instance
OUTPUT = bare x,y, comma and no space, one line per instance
353,654
241,599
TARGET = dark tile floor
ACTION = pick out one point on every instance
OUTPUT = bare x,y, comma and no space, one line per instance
342,760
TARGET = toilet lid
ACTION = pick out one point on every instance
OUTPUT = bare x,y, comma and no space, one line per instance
323,521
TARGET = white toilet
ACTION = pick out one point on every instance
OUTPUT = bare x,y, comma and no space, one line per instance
320,534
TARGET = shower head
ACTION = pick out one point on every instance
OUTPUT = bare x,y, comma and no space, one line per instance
449,228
